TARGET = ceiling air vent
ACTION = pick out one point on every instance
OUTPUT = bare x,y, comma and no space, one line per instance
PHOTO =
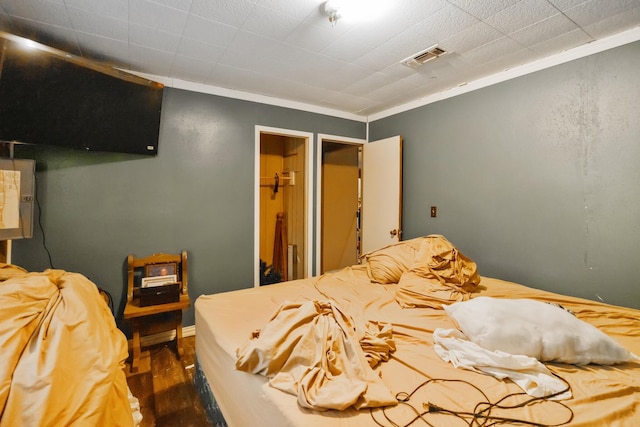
424,56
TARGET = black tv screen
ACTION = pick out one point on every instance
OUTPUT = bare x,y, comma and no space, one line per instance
49,97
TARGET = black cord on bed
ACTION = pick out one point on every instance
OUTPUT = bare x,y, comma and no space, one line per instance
481,415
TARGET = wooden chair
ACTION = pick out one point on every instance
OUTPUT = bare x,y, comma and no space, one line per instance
156,318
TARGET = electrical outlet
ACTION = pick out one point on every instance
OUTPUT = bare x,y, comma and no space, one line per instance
434,211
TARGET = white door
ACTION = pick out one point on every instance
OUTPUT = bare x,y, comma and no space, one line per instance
381,193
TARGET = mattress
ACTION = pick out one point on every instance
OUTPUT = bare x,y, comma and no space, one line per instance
602,395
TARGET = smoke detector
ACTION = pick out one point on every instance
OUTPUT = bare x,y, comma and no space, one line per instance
419,59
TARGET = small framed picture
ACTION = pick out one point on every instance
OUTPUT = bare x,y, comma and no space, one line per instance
154,270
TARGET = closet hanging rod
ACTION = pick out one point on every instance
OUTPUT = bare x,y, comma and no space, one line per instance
277,176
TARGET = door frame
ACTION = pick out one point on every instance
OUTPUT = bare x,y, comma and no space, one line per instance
309,162
321,139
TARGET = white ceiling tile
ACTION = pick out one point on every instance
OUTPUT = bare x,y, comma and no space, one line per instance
229,12
421,77
48,12
153,38
445,23
210,32
269,23
504,62
383,93
308,93
157,16
104,47
232,58
471,37
399,71
376,59
199,50
183,5
544,30
192,69
314,37
498,48
102,25
149,60
405,15
613,24
409,12
483,8
287,54
521,15
298,9
442,24
366,85
117,9
253,45
346,50
316,71
566,4
593,11
339,99
350,72
374,35
244,80
561,42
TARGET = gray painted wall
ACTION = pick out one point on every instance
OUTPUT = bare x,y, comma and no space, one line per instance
197,194
538,178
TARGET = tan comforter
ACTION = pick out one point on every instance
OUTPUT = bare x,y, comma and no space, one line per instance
62,354
602,395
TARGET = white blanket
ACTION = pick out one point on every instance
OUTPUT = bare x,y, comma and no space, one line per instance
527,372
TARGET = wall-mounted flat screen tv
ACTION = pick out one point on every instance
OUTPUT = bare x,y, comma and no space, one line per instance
50,97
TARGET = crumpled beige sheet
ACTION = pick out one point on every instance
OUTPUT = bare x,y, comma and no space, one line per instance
313,350
62,354
440,275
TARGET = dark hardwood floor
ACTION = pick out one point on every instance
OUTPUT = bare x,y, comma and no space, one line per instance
166,393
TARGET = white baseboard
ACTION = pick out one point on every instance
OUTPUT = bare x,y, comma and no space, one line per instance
147,340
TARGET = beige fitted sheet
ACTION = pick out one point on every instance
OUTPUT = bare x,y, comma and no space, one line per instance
224,322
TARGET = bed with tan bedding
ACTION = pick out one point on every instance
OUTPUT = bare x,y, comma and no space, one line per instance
414,336
61,352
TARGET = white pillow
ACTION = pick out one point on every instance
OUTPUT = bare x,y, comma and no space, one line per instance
535,329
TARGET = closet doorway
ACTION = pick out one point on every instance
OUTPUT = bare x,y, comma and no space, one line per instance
339,202
282,216
359,198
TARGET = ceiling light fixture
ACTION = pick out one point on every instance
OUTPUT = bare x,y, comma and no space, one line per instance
356,11
332,9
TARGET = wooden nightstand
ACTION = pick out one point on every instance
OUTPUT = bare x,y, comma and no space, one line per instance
155,318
